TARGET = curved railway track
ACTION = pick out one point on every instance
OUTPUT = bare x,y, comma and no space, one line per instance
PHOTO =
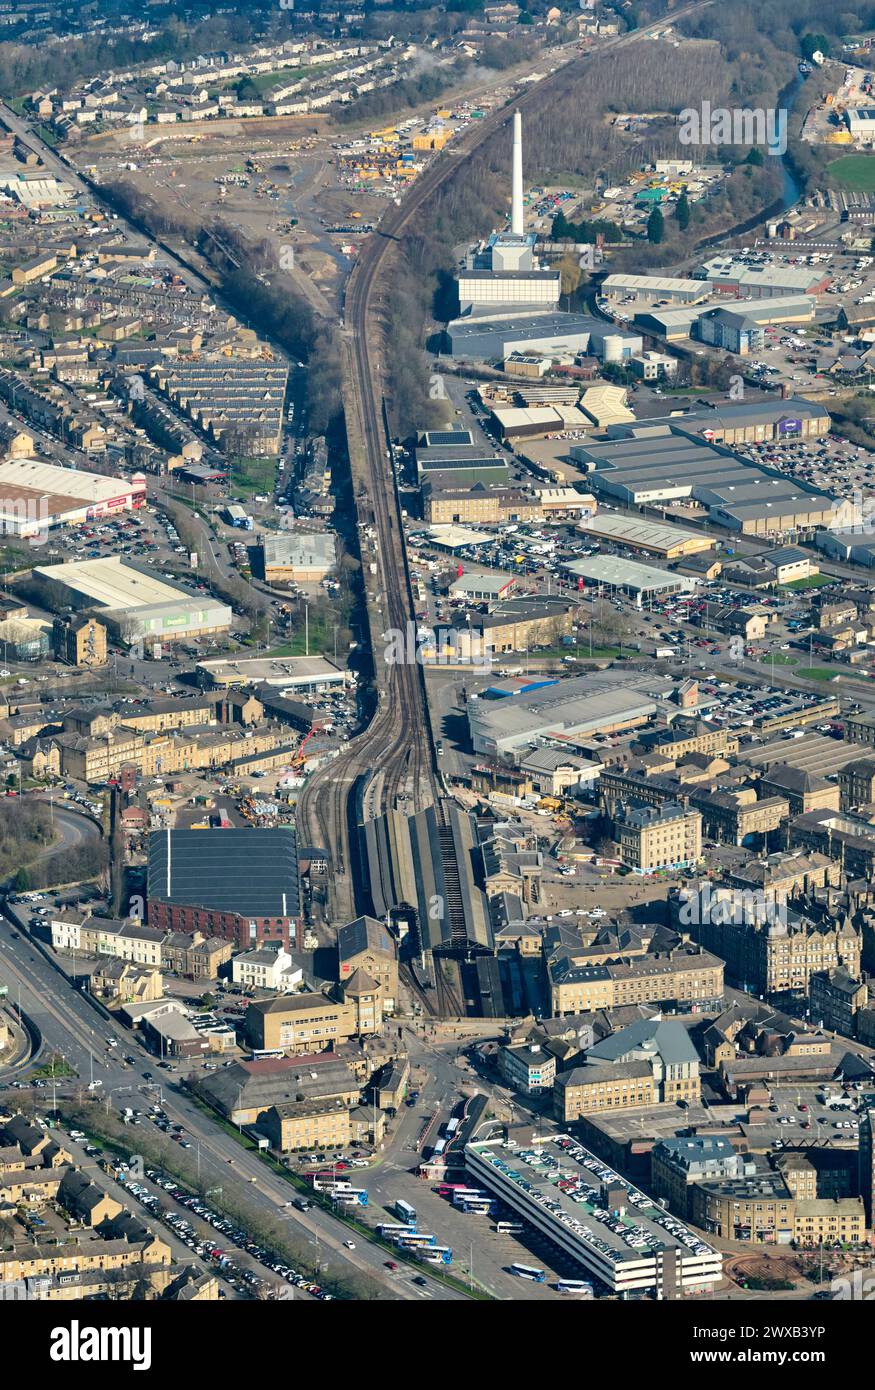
398,740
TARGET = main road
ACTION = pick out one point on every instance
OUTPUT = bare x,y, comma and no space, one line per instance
71,1026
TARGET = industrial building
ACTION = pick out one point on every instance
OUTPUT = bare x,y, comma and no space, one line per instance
300,673
298,557
503,721
612,572
131,600
536,422
742,280
860,121
696,321
615,1233
489,339
419,871
667,289
678,460
650,537
854,546
37,496
504,273
241,885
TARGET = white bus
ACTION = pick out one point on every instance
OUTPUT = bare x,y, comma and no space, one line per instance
509,1228
529,1272
578,1286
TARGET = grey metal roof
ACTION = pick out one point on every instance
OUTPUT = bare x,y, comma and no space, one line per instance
671,1038
250,872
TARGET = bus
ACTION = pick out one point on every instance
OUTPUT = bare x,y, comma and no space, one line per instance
389,1232
575,1286
329,1182
446,1189
529,1272
485,1206
415,1238
260,1054
435,1255
351,1196
509,1228
470,1194
405,1212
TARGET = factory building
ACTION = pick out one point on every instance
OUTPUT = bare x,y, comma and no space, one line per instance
611,572
503,274
665,288
741,280
690,320
456,465
131,600
493,338
303,674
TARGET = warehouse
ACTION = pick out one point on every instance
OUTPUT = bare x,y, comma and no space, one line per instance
652,287
675,324
303,558
482,588
36,496
132,601
571,1199
573,710
664,460
650,537
860,121
488,339
241,885
729,276
299,673
452,538
611,572
536,422
854,545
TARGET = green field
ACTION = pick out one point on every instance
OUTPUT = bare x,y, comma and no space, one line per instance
781,659
253,475
816,673
856,171
813,581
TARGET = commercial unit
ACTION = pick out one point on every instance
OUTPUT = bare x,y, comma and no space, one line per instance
302,558
611,572
37,496
132,601
652,287
650,537
575,709
299,1023
655,838
458,465
304,674
611,1230
742,280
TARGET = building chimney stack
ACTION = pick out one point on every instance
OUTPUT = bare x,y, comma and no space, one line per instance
516,215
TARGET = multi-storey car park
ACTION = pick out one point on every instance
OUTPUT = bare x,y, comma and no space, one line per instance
619,1236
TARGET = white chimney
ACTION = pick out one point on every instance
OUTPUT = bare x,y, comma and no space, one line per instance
516,214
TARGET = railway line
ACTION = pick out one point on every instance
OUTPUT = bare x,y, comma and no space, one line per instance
398,741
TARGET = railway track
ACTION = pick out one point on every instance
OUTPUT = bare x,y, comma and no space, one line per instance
398,741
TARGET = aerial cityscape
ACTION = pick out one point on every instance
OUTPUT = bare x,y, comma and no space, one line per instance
437,700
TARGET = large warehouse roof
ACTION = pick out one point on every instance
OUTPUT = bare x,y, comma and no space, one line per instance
48,478
113,583
627,574
250,872
646,535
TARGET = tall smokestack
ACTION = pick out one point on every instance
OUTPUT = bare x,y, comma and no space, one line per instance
516,213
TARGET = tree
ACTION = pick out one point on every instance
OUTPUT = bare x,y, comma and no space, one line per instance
682,212
21,882
755,157
655,227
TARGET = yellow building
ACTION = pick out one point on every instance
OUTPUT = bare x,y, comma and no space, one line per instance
299,1023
